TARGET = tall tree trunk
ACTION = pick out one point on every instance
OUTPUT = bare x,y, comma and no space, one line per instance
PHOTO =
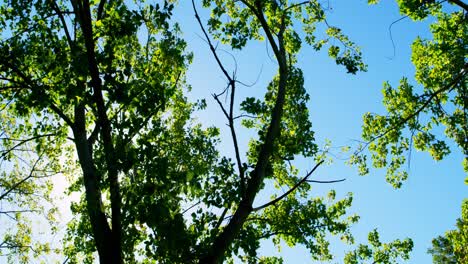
82,9
100,227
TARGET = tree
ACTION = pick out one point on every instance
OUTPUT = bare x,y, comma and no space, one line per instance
442,251
155,188
56,82
378,252
452,247
25,193
415,114
441,70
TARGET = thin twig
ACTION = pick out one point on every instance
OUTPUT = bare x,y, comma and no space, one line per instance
230,115
190,207
22,142
290,190
333,181
23,180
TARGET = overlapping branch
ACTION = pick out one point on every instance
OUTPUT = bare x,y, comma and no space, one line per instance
230,115
231,230
273,202
17,184
448,87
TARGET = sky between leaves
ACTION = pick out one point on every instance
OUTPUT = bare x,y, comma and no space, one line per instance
427,204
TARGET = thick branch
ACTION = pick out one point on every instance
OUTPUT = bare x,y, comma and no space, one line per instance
56,8
101,231
61,114
230,232
460,4
258,12
106,134
221,218
93,137
100,9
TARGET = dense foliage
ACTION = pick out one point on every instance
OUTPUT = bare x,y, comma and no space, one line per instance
451,247
439,102
378,252
94,91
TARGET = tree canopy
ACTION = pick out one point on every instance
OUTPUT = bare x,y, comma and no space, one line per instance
451,247
416,114
95,91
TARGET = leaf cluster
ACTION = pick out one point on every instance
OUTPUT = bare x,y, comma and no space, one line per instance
415,113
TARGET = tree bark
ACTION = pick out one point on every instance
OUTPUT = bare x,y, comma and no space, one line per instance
100,227
233,228
82,9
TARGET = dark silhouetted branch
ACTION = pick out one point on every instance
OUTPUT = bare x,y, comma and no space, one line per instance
230,115
332,181
290,190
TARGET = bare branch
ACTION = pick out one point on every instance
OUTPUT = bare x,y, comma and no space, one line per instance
333,181
56,8
212,48
296,5
19,211
232,84
245,115
290,190
190,207
215,96
254,82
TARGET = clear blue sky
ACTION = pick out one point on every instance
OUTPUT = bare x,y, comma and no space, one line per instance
427,204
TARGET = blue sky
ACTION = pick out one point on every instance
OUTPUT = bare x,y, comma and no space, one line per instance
427,204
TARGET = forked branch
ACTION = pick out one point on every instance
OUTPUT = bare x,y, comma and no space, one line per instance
230,115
